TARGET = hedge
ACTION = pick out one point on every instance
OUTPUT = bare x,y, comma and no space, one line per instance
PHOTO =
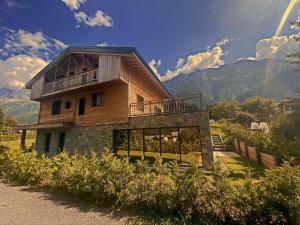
172,195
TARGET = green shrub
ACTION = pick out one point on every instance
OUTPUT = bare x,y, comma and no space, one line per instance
245,119
164,192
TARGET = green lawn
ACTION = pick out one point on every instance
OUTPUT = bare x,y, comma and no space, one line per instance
241,168
16,144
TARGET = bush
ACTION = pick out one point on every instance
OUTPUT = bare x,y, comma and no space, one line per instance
261,108
245,119
168,195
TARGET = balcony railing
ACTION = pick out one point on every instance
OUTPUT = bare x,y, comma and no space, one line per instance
168,106
73,81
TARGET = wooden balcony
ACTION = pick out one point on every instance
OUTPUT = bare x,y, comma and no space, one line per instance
168,106
76,80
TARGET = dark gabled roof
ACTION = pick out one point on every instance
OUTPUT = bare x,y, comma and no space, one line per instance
95,49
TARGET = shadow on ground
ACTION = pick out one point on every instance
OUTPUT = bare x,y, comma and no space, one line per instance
66,200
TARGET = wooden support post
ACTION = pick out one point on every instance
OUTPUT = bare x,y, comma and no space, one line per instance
23,139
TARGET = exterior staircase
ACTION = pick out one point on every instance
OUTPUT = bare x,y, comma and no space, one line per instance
217,142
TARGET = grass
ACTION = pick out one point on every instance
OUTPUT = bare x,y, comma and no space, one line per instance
16,143
240,168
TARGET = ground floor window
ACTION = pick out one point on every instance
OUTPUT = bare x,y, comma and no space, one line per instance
179,143
61,141
47,143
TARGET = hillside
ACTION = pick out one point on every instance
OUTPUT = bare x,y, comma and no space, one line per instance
238,80
24,111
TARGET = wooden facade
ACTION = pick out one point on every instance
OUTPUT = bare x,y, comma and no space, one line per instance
121,79
89,94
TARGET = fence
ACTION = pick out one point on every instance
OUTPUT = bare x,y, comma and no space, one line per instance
168,106
251,153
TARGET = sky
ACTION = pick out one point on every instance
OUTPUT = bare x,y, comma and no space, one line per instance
174,36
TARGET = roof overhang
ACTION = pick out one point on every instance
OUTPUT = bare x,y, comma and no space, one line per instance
45,126
99,50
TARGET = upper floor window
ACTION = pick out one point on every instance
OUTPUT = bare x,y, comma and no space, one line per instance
97,99
68,105
56,107
140,103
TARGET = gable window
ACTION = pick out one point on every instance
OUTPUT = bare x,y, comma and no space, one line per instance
97,99
56,107
68,105
140,103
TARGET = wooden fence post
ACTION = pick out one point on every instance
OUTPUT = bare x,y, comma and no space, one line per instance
23,139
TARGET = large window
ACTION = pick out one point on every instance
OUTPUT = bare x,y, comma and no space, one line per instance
180,143
170,143
97,99
190,144
121,145
136,143
152,142
56,107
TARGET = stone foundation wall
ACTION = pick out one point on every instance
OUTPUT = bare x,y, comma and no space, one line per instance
97,138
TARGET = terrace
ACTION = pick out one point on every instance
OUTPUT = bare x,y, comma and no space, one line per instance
188,104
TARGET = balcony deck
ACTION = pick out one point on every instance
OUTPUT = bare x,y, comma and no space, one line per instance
168,106
76,80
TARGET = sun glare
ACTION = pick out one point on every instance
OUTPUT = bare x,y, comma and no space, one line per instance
285,16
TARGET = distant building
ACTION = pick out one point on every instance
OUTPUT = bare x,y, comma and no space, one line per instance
289,105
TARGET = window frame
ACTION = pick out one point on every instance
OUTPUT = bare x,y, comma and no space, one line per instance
54,110
68,104
94,102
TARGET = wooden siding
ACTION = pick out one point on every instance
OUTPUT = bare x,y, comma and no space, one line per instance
109,68
36,90
140,84
114,109
66,115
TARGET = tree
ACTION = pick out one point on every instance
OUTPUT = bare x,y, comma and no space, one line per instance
2,120
245,119
10,121
225,109
261,108
283,126
297,90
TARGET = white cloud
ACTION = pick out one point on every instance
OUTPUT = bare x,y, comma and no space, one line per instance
13,4
277,47
74,4
17,70
100,19
199,61
103,44
154,64
224,41
24,42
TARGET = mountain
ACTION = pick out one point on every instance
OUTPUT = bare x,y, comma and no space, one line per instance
14,93
239,80
25,111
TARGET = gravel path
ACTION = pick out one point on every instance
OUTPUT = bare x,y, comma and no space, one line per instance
33,206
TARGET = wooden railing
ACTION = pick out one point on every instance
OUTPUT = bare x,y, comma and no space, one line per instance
76,80
167,106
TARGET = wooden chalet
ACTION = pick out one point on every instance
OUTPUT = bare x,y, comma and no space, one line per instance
93,98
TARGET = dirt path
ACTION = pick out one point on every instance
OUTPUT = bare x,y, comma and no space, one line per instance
33,206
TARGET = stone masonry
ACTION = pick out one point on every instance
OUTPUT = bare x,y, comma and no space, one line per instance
87,138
